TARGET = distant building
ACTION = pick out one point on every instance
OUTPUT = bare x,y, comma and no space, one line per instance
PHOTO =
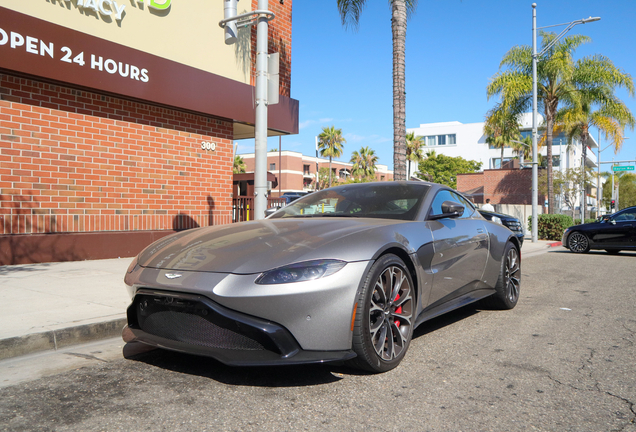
469,141
296,172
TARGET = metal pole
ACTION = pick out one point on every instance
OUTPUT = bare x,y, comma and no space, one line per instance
599,188
584,199
317,167
280,163
535,169
613,196
260,158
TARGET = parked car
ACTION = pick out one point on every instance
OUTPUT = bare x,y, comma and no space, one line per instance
343,274
511,222
613,233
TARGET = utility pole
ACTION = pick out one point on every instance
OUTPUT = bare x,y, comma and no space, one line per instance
230,23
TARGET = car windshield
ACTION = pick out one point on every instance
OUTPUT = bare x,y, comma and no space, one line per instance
369,200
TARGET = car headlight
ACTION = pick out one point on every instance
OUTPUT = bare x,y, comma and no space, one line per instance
300,272
497,220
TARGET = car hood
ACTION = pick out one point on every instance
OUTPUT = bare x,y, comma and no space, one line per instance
254,247
589,226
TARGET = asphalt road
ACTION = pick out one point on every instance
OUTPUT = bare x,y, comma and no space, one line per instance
562,360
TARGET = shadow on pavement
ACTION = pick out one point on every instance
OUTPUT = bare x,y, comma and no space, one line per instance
25,268
447,319
625,253
272,376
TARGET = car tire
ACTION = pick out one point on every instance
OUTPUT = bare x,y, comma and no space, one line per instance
612,251
508,284
384,316
578,242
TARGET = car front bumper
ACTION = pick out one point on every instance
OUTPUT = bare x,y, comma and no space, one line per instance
196,325
232,319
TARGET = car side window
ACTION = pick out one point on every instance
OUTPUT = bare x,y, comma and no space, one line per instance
469,209
629,215
446,195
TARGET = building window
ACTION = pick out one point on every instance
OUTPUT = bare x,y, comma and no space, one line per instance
496,162
556,161
306,169
272,166
452,140
382,178
430,141
441,139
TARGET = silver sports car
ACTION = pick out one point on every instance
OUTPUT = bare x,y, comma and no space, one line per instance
341,274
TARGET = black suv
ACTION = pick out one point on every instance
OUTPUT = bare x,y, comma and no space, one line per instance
511,222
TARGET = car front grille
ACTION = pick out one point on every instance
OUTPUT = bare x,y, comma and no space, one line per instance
196,330
191,322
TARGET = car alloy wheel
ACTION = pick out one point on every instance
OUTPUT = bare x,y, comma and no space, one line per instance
508,284
512,275
391,313
578,243
384,316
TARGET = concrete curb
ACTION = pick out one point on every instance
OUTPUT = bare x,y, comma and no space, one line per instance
555,244
60,338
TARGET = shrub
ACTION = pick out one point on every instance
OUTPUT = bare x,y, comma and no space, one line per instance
578,221
551,226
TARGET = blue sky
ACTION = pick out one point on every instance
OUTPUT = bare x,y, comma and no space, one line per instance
343,77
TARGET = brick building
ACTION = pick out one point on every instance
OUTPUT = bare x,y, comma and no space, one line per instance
115,130
501,186
297,172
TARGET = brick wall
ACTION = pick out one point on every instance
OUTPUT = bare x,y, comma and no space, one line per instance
76,161
280,37
502,186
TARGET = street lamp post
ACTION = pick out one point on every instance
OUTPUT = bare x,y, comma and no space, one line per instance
260,18
535,57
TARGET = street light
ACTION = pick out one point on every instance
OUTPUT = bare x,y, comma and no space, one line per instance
535,56
521,155
260,18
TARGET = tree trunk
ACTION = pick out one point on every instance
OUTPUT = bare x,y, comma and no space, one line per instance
398,27
584,148
329,171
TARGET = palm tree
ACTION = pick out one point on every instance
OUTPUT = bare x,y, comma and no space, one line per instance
330,143
239,165
501,128
611,117
364,162
559,78
400,10
413,150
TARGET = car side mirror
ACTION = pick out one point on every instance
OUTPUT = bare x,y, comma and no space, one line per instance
450,209
612,221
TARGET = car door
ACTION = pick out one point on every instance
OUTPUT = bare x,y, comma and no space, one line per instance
460,249
621,229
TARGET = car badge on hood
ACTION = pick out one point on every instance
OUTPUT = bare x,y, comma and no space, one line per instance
173,275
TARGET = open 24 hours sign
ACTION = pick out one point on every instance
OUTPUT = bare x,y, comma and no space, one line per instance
50,52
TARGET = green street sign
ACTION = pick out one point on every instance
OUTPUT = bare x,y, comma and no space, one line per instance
623,168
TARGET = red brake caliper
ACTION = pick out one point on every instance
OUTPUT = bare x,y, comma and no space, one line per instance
398,311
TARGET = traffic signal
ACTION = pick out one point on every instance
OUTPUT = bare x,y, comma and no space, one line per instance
613,204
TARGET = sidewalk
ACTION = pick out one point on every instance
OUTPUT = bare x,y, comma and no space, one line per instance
54,305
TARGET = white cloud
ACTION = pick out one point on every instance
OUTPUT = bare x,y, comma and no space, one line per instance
306,123
366,140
